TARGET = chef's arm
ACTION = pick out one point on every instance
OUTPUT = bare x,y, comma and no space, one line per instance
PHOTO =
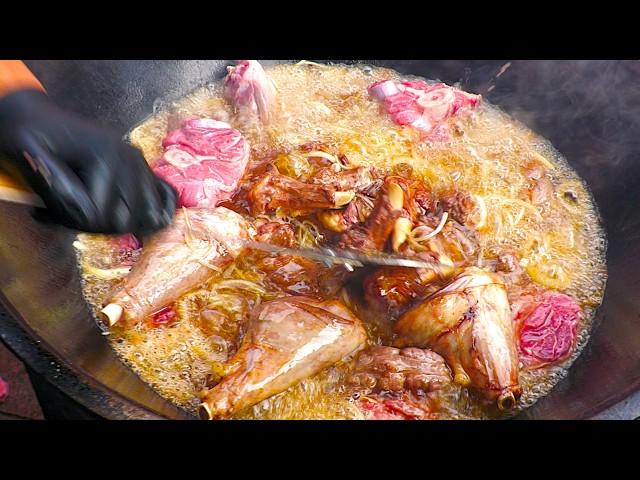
15,75
87,177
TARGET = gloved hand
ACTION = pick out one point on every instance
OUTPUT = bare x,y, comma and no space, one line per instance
88,178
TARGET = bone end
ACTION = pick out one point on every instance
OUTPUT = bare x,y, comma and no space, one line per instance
506,401
204,412
112,313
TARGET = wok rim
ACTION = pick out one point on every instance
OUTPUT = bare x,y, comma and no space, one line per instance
109,403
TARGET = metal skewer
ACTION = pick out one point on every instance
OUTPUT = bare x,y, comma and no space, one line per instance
349,258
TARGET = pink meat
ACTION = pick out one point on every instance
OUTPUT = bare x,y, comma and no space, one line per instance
391,408
422,106
4,390
547,329
249,89
127,242
203,161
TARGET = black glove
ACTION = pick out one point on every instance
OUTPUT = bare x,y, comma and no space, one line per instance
88,178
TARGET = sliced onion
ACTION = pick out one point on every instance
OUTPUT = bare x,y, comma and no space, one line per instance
436,98
432,234
106,274
482,208
383,89
328,156
241,285
307,62
179,158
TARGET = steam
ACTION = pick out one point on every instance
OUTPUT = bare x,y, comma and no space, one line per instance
590,111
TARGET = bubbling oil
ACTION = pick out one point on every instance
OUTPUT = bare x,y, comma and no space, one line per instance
560,241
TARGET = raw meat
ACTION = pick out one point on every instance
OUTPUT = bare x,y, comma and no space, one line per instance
422,106
204,161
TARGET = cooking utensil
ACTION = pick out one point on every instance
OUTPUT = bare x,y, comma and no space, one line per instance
14,191
350,258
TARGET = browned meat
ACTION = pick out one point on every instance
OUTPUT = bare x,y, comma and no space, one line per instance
299,276
541,187
355,179
389,207
399,384
276,233
509,269
454,240
291,274
356,212
278,192
392,288
469,323
390,369
336,220
459,205
397,406
425,201
176,260
288,340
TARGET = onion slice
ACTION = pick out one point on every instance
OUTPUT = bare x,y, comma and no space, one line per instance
435,232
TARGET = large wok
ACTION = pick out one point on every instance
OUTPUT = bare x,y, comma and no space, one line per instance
590,110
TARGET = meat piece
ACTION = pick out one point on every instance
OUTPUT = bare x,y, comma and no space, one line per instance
276,233
383,89
164,316
4,390
454,241
393,407
300,276
541,189
127,242
336,220
176,260
400,384
394,212
204,161
422,106
425,202
547,329
357,211
355,179
459,205
288,340
390,369
250,91
380,224
278,192
392,288
288,273
469,324
508,267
